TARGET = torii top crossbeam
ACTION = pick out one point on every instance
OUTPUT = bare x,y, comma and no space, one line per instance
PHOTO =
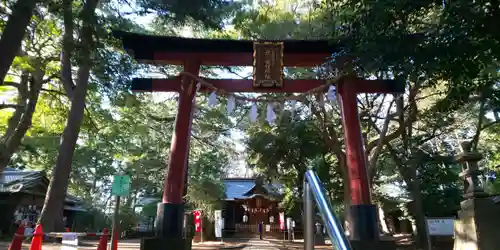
167,50
219,52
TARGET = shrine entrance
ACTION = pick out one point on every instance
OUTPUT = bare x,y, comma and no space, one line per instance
258,209
268,60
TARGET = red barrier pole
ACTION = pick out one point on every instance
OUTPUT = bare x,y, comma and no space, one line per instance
103,241
17,241
36,242
114,243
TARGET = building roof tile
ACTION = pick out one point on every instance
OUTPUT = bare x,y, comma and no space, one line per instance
14,180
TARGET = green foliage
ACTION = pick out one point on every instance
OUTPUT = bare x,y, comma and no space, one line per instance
285,151
92,220
149,210
211,13
205,187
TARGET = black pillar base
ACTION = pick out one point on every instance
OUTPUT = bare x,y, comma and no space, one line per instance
364,223
169,221
157,243
378,245
169,228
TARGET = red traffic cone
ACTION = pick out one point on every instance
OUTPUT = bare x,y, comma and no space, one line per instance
36,242
17,241
103,241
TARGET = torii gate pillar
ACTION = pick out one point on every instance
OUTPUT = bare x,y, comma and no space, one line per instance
363,214
170,213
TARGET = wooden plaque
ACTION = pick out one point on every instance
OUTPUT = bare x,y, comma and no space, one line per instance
268,64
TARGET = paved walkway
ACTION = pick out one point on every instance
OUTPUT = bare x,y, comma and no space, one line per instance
256,244
252,244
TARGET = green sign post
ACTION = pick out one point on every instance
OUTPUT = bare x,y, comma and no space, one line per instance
120,187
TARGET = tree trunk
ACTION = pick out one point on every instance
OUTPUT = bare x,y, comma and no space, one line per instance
12,142
347,192
418,213
409,173
14,32
51,216
347,205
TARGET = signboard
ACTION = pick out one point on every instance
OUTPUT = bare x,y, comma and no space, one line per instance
69,241
440,226
219,223
290,223
268,65
121,185
197,221
282,221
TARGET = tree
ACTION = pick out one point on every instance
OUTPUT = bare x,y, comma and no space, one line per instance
77,92
13,33
56,194
30,75
367,32
285,152
423,31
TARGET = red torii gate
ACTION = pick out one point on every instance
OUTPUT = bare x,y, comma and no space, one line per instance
193,53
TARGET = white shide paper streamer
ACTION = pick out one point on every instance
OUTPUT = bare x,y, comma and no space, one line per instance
253,112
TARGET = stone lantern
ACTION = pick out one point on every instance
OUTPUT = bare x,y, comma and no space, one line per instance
477,227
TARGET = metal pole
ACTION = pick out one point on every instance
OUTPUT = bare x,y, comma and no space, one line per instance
308,218
116,225
201,225
334,228
429,242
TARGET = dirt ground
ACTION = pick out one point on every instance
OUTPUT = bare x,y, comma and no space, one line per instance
127,245
233,244
88,246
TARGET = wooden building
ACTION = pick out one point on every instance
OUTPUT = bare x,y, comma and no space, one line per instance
250,201
247,202
22,194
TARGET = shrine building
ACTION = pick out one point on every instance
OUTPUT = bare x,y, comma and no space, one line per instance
250,201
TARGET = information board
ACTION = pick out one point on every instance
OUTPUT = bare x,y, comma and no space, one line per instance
440,226
69,241
218,223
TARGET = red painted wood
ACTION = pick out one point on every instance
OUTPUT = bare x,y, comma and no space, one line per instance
290,86
175,174
239,85
356,160
239,59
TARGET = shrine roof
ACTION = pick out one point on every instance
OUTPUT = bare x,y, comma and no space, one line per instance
19,181
147,47
237,188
